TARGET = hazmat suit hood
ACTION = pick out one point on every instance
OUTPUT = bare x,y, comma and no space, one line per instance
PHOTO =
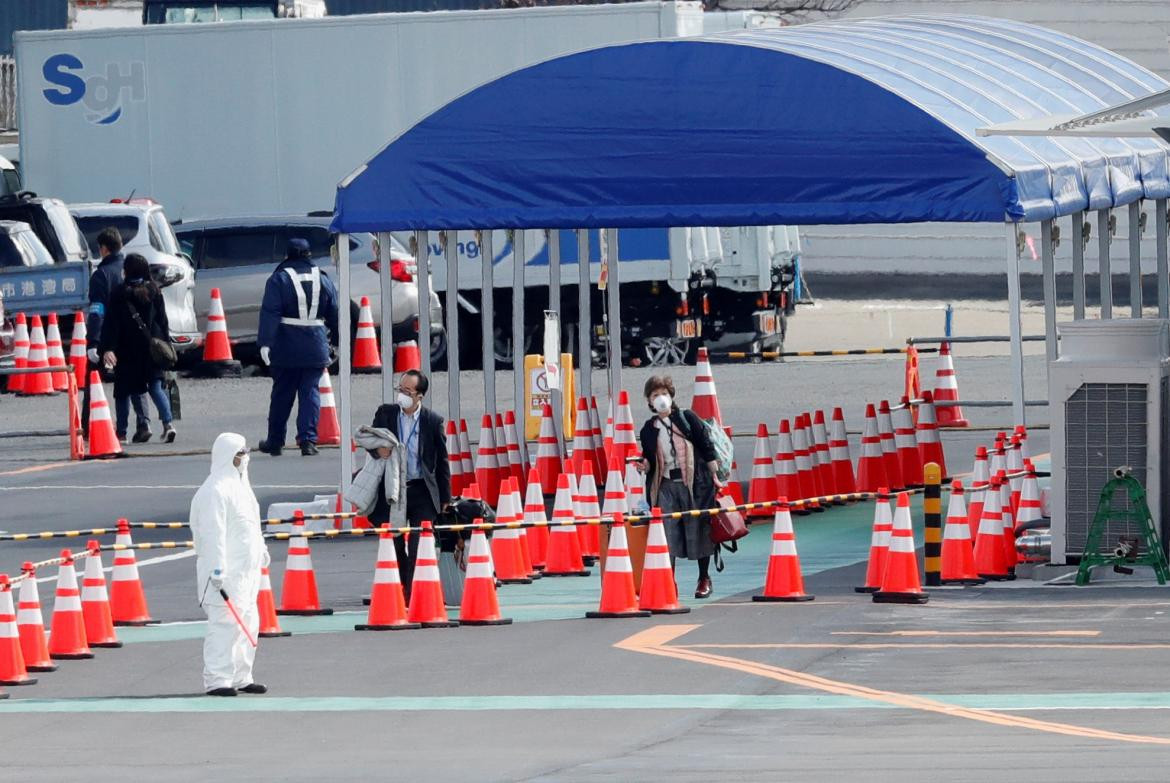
224,451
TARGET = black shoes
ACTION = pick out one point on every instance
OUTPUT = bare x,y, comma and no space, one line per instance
309,449
273,450
703,589
169,433
254,688
142,434
222,692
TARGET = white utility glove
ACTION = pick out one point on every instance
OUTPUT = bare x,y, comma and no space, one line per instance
92,355
217,580
264,355
266,560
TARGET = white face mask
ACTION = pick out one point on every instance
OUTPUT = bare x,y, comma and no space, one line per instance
661,403
405,401
243,466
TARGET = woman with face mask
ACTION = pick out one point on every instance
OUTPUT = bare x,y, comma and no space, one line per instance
680,467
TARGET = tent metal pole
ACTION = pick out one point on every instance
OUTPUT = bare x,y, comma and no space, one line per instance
454,406
614,327
424,302
1014,326
1103,240
487,321
344,398
519,257
584,316
1078,265
1048,262
552,238
1163,268
386,291
1135,260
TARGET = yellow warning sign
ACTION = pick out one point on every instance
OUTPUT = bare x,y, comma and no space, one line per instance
537,393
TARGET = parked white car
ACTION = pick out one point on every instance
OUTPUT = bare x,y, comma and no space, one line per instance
146,231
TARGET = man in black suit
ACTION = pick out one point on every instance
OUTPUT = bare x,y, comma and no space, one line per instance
428,476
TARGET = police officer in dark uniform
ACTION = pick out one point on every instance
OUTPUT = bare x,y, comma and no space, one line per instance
300,303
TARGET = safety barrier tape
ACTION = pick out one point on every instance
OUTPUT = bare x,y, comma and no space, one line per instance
794,354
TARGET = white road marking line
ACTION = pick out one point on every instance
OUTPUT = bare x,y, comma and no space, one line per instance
148,561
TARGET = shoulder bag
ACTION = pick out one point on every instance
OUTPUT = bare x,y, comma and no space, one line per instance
162,353
727,526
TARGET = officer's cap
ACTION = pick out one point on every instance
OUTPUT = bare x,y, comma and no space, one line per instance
297,248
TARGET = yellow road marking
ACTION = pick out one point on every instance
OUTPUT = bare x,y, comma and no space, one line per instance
654,641
965,633
35,468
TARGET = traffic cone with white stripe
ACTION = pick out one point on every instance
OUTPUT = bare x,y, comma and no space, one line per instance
454,459
506,553
56,354
871,469
618,597
823,464
465,455
595,433
989,553
38,356
889,447
103,442
298,594
487,469
67,633
636,487
387,600
534,512
407,356
20,345
1030,510
946,389
522,533
705,402
979,483
616,501
426,592
503,469
879,543
95,601
127,598
1025,452
1008,520
958,555
563,557
929,446
589,536
480,604
366,357
516,466
12,668
787,478
763,484
842,464
659,593
607,437
578,513
1015,469
328,425
734,488
906,439
217,348
783,582
805,475
266,608
30,624
548,453
583,459
900,582
77,358
624,443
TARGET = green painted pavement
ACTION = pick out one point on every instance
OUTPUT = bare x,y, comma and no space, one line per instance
717,701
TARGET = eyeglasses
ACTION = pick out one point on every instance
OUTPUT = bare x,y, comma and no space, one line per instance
409,392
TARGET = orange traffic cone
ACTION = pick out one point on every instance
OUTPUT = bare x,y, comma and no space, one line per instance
534,513
298,594
266,608
328,425
589,536
487,470
67,633
407,356
522,532
1008,520
958,556
426,592
30,624
889,447
636,488
607,437
77,357
659,594
12,668
1015,469
900,582
503,469
979,483
784,582
624,442
454,458
929,446
806,477
705,403
103,442
564,549
615,492
598,438
583,459
127,598
946,389
511,443
762,488
879,543
465,455
387,600
1025,452
95,601
734,488
506,552
618,598
1030,512
20,345
217,348
548,453
480,604
871,469
824,462
906,440
842,464
366,357
56,354
38,356
989,553
787,478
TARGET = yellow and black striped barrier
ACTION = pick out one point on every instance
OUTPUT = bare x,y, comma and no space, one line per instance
932,512
809,354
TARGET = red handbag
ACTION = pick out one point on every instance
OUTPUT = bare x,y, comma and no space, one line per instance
728,524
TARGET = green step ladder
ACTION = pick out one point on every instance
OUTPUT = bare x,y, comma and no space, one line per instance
1126,552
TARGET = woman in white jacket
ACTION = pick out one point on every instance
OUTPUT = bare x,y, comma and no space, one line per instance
230,551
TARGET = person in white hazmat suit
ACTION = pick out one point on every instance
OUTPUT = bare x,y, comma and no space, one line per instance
230,551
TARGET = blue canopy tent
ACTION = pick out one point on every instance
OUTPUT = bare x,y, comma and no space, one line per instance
852,121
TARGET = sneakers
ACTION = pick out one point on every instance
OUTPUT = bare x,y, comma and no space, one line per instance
309,449
169,433
142,434
272,450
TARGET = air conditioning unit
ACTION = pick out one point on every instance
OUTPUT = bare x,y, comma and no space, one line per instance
1110,399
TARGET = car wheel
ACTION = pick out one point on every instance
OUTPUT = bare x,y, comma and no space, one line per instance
665,351
438,348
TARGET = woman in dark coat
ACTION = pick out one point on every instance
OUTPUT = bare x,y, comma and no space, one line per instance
680,466
136,308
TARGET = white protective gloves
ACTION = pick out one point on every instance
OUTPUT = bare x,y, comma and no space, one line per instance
217,580
265,355
92,355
